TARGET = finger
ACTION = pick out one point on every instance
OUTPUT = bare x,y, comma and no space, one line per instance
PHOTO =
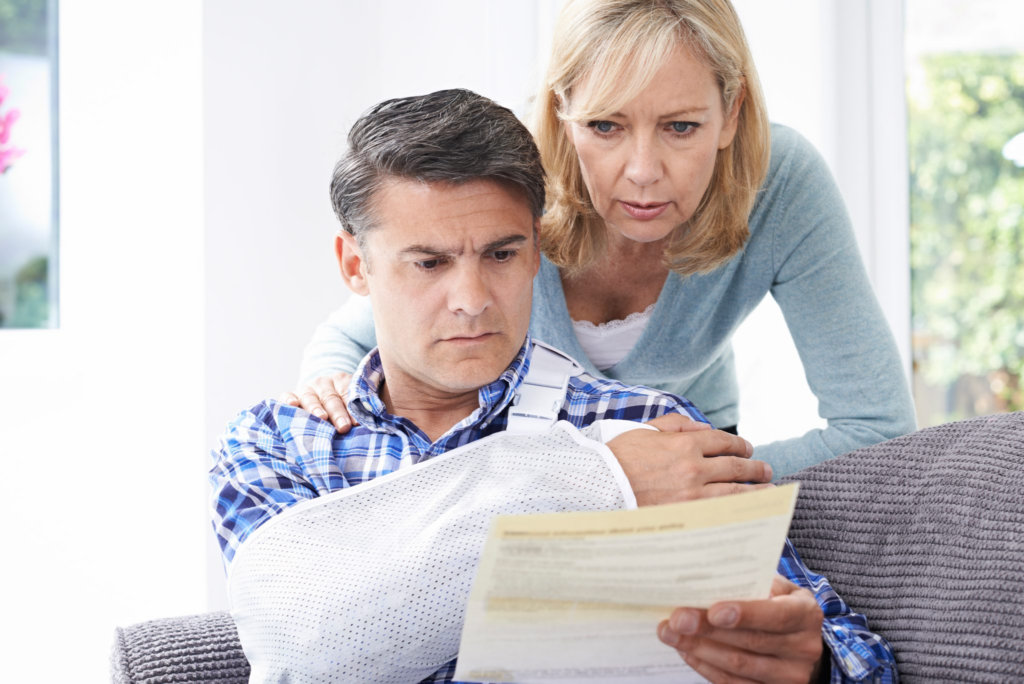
718,443
794,612
735,469
676,422
804,645
713,489
289,398
731,664
711,673
310,401
341,382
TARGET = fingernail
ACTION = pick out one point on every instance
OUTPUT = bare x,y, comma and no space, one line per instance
319,413
665,634
767,471
685,622
725,617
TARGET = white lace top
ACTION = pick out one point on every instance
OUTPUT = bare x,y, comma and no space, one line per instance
608,343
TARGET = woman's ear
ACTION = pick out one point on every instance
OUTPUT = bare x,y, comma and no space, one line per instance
352,263
732,120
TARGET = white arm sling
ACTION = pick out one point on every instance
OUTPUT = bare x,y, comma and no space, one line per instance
369,584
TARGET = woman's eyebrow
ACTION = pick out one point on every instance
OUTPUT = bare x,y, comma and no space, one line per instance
681,112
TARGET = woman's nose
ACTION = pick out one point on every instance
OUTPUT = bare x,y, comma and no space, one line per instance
644,166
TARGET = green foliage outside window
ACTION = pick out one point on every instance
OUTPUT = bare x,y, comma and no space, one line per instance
967,223
23,26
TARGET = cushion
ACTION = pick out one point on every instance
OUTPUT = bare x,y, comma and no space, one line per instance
198,648
924,534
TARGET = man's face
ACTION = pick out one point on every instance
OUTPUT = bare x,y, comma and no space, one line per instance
449,270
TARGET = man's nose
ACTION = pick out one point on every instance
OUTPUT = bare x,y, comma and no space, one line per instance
470,294
644,165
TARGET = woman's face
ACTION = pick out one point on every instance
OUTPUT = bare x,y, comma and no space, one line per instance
647,166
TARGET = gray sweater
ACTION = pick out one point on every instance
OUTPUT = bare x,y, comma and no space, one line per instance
802,250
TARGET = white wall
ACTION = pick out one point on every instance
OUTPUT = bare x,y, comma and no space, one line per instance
101,421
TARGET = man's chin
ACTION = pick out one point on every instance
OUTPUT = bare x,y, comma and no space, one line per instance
472,375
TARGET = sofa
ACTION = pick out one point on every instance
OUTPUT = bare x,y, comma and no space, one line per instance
924,534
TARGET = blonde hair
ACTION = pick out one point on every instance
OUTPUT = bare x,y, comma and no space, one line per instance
620,45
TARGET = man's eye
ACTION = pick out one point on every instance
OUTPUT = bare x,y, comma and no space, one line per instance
604,127
504,255
429,264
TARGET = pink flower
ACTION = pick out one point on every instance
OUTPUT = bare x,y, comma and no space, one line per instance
7,155
6,123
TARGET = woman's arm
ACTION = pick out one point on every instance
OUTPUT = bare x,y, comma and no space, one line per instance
340,342
847,349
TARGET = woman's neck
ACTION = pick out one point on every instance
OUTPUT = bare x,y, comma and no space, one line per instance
626,279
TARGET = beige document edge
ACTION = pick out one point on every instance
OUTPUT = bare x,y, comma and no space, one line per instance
573,597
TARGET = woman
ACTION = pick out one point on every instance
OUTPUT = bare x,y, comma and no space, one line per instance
673,208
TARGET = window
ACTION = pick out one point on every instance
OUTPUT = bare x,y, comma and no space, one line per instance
965,97
28,171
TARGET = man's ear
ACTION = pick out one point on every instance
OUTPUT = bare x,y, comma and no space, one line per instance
352,263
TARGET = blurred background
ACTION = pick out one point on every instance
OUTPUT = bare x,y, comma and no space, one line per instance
165,243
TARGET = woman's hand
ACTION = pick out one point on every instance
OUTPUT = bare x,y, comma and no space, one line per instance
325,399
777,640
671,465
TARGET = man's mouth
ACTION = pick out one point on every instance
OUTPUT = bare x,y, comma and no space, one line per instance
469,338
644,211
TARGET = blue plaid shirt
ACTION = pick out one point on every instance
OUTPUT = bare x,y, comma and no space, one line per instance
274,455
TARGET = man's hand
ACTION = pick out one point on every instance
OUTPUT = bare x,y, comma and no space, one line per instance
324,398
670,465
742,642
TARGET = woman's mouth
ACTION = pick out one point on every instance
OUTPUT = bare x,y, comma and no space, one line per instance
645,211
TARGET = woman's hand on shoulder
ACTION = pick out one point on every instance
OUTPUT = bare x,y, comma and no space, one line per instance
324,397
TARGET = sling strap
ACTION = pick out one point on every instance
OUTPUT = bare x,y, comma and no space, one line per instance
540,396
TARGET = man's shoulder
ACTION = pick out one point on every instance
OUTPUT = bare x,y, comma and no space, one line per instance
590,399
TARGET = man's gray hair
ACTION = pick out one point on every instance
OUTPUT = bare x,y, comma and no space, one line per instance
451,136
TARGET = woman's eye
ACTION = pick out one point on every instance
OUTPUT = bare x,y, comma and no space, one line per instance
682,126
602,126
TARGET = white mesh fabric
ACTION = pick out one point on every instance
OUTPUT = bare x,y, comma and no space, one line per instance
370,584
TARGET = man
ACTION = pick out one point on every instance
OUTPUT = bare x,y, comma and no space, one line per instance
440,198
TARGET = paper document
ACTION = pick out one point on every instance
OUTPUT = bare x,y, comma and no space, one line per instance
577,597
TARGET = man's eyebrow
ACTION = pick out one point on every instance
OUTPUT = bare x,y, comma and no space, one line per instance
504,242
429,251
440,252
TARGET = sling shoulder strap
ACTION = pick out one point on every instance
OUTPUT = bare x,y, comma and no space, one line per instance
540,396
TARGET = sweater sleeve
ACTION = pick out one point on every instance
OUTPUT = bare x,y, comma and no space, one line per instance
340,342
848,352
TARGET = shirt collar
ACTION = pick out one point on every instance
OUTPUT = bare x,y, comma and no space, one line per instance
367,407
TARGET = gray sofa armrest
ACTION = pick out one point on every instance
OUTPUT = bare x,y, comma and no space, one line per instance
199,649
924,534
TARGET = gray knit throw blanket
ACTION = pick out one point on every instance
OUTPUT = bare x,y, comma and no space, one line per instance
924,534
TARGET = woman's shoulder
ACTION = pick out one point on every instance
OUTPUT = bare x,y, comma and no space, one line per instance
791,153
797,174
